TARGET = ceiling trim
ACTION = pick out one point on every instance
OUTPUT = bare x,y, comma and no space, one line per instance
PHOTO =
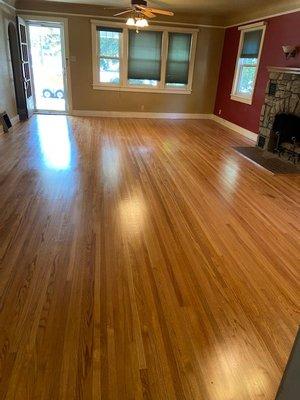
26,11
263,17
157,21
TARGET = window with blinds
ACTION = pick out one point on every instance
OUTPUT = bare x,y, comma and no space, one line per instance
157,59
178,61
144,57
247,63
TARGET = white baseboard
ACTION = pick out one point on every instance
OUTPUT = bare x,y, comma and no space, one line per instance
128,114
14,120
245,132
121,114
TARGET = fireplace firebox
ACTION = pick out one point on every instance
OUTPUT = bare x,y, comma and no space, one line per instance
285,136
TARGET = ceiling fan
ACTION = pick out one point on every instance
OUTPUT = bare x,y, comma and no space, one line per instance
139,11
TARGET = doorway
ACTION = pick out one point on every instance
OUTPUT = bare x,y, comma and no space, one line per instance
17,72
48,66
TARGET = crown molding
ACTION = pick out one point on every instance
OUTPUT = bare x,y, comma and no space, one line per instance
263,17
160,22
119,19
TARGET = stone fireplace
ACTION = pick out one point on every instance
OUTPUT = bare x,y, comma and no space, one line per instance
282,96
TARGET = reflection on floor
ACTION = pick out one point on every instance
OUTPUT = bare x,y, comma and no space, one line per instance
55,145
143,259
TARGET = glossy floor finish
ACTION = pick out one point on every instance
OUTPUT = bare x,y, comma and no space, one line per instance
143,259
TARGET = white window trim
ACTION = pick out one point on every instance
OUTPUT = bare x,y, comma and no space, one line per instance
246,28
124,86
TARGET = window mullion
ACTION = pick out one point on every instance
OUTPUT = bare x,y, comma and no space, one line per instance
164,57
192,60
124,58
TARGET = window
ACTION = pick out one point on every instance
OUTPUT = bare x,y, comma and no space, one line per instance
156,59
109,41
144,58
178,61
251,42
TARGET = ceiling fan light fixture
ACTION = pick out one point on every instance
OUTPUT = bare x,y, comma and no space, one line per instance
141,23
130,21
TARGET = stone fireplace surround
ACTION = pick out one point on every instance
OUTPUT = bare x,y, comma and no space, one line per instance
282,96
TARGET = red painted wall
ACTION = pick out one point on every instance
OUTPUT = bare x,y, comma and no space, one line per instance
281,30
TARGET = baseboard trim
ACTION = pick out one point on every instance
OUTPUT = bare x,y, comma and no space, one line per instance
242,131
146,115
14,120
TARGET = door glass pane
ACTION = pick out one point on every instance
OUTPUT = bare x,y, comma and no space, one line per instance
23,34
26,71
47,67
24,52
28,90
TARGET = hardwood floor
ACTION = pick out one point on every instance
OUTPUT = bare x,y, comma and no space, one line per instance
143,259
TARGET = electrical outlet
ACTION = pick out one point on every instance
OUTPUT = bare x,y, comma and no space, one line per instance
220,112
142,107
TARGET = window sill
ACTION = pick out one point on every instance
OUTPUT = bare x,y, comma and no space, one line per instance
241,99
141,89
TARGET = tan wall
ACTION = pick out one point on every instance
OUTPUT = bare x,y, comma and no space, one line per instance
84,97
202,99
7,94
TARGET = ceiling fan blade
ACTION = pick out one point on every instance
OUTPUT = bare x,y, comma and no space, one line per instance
123,12
148,14
162,12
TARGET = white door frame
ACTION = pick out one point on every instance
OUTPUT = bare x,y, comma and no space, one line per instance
63,24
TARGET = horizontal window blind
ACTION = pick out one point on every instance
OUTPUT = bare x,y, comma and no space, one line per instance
178,58
251,44
144,55
109,29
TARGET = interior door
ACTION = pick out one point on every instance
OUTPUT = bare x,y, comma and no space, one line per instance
24,53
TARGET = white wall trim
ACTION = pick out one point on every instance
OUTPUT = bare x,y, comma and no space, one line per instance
14,120
252,26
243,29
64,22
245,132
158,21
148,115
120,19
132,114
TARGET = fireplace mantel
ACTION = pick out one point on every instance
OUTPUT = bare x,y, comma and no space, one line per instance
285,70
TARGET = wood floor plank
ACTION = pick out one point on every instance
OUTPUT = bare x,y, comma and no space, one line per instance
143,259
